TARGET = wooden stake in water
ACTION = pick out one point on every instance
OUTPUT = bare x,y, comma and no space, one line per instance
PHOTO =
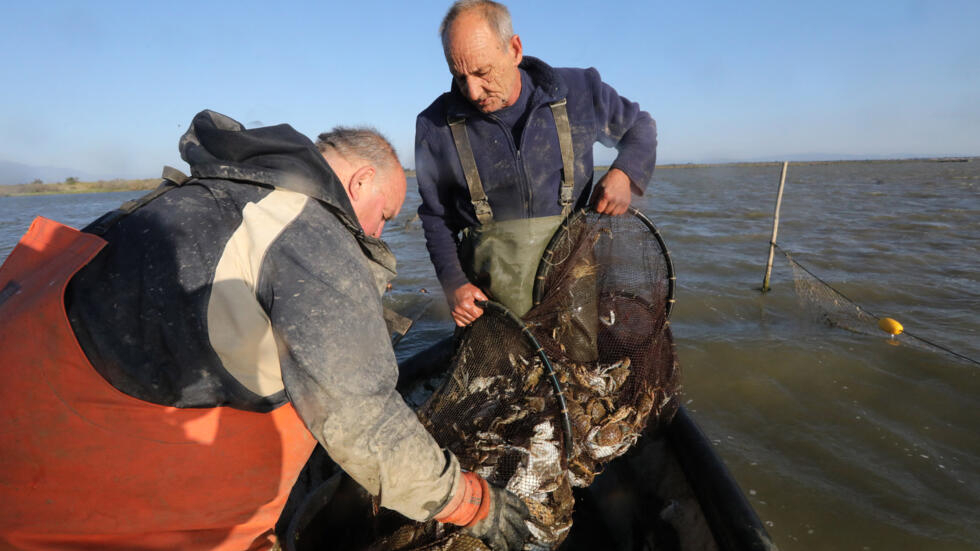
775,228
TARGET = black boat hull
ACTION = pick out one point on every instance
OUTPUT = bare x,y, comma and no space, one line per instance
670,492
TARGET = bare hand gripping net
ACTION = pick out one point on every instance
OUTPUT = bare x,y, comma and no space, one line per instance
540,405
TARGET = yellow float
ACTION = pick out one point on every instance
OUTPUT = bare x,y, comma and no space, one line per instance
890,326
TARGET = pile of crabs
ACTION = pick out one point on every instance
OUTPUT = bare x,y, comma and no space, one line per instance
508,428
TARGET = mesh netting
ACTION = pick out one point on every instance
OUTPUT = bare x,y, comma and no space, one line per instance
833,307
540,405
828,304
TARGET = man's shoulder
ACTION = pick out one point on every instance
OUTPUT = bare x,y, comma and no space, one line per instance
435,113
578,78
557,82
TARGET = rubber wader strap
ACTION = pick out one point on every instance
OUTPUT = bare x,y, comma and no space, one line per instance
560,112
172,178
477,196
396,322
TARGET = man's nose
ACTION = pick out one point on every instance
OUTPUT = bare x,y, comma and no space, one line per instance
473,88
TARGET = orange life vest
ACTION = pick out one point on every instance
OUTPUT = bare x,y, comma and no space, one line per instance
84,466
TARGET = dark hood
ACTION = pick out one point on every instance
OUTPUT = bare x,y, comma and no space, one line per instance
548,87
217,146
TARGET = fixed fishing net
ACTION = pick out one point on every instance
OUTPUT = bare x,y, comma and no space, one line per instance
833,307
539,405
828,304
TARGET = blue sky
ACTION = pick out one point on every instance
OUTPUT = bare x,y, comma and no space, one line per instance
108,87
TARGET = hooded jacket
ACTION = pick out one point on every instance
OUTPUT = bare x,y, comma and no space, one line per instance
252,285
522,177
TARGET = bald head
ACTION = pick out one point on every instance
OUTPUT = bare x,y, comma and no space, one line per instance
496,16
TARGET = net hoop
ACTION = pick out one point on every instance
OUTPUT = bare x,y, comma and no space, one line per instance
548,260
566,423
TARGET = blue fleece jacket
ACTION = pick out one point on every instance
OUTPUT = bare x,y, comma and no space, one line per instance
522,179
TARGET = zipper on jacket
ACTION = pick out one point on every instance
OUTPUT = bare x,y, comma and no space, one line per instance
525,184
520,158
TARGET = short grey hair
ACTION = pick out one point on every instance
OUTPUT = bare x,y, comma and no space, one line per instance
360,142
494,13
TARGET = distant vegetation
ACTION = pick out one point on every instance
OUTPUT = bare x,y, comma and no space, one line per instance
73,185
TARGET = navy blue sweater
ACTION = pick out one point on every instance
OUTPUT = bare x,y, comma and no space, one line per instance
522,179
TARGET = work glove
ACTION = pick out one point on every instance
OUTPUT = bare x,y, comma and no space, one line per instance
505,527
491,514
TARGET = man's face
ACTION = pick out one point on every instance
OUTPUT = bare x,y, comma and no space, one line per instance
485,70
379,201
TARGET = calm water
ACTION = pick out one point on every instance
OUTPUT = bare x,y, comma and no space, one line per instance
840,439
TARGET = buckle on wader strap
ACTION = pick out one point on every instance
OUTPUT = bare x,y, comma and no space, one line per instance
477,196
560,113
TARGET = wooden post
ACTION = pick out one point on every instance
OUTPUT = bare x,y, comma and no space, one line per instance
775,228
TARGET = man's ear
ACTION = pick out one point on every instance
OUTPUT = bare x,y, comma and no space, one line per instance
516,49
360,181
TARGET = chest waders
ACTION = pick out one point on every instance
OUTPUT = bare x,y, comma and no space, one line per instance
502,257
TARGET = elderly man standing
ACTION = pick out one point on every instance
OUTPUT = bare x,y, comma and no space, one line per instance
167,370
507,152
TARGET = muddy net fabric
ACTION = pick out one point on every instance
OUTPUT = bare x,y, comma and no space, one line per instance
600,317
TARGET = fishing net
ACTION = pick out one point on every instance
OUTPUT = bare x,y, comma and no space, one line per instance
828,304
539,405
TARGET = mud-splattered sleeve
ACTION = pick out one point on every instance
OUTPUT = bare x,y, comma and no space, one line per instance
632,131
339,369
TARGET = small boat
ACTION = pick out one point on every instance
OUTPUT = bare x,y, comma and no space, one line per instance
671,491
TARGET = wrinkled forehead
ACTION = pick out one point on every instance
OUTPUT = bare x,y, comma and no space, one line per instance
472,41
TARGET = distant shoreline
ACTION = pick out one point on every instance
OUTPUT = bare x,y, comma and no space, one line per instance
809,163
72,185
